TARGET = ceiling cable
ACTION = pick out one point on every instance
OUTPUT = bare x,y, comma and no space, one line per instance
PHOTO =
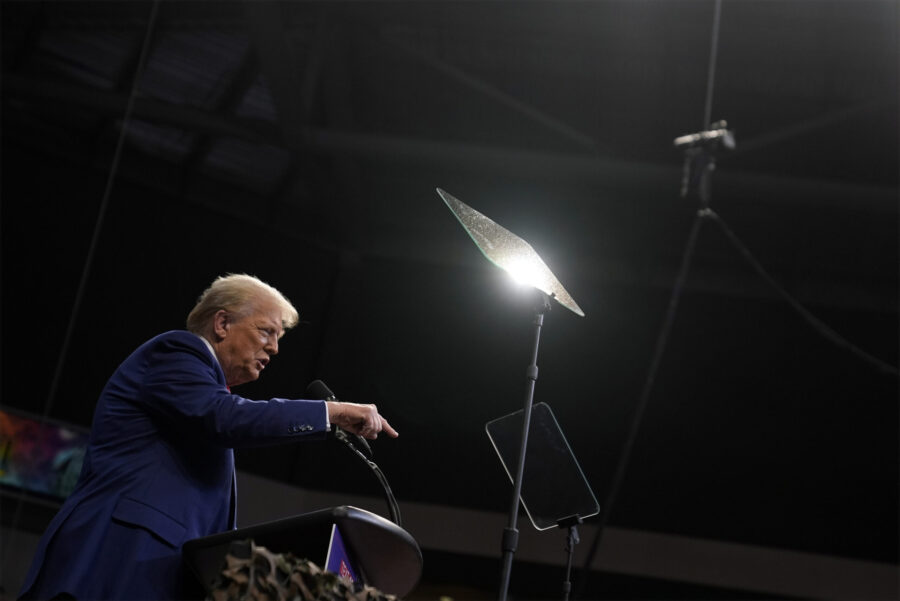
101,213
706,213
817,324
663,337
89,259
711,71
658,351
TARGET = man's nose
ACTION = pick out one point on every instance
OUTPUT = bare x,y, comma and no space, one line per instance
272,346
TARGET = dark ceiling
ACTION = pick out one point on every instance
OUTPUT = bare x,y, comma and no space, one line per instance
148,147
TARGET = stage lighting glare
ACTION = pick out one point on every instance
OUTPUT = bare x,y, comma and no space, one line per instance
509,252
525,272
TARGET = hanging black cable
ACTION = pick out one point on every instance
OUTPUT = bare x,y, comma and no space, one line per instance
101,213
818,325
711,70
663,337
658,351
700,152
92,251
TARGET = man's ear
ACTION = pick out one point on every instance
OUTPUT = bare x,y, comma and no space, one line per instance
221,323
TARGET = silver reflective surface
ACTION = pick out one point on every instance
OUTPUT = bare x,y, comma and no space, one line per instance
509,252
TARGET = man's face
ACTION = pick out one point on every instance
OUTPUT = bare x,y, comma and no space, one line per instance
246,343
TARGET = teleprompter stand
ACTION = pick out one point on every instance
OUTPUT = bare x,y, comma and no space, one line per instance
572,539
510,540
553,490
515,256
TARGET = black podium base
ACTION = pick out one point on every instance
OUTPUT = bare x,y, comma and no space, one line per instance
387,556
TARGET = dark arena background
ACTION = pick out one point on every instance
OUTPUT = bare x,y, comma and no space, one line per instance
731,393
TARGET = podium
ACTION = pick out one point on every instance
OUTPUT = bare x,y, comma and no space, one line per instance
386,556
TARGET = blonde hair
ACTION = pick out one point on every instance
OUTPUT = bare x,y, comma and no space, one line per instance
236,292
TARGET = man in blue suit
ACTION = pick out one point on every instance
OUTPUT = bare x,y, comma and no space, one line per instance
159,468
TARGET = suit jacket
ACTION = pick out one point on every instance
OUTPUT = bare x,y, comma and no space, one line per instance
159,471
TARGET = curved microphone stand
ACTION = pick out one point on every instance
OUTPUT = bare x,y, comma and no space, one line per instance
317,389
346,438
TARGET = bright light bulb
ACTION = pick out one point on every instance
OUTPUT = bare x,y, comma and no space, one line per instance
528,270
523,271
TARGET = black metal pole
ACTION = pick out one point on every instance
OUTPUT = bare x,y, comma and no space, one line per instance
572,539
511,533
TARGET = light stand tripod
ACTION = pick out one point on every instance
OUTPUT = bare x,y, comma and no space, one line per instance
700,151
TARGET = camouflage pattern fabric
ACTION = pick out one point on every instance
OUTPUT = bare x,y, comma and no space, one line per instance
256,574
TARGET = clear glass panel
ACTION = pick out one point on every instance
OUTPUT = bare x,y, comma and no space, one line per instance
509,252
553,485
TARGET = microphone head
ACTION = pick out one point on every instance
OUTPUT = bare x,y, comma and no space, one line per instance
318,390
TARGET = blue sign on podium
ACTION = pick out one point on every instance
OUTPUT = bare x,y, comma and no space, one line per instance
338,560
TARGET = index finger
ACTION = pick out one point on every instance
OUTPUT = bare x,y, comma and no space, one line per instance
386,428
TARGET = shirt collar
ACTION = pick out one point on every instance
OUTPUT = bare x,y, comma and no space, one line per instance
209,346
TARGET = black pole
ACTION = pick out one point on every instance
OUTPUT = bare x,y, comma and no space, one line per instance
572,539
511,533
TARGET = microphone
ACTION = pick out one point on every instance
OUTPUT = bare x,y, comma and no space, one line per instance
717,133
317,389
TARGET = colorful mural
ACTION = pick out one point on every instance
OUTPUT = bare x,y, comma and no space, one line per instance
38,456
